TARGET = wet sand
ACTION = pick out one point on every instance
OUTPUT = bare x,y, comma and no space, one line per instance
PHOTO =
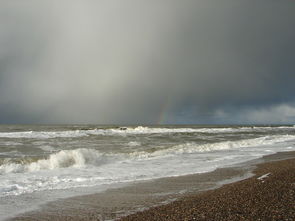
183,198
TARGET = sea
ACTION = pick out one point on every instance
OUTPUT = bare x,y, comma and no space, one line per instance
44,163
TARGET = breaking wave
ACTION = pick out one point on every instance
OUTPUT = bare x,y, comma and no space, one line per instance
189,148
61,159
84,157
155,130
133,131
226,145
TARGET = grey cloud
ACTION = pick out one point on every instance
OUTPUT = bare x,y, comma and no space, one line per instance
124,61
277,114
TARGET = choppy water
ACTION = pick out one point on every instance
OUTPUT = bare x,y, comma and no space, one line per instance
38,159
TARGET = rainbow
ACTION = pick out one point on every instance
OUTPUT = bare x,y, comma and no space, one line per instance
162,117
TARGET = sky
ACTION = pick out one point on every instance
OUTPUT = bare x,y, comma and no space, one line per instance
147,62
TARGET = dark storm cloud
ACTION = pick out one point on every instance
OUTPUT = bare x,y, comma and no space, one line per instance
204,61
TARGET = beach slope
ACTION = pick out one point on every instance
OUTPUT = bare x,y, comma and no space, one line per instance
269,195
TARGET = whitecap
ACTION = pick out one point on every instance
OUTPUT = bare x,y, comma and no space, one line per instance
62,159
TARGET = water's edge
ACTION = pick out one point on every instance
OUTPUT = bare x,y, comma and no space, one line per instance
121,200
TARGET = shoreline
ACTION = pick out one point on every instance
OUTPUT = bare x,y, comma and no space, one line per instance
143,198
268,195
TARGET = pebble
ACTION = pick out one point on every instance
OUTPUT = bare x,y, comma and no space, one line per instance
250,199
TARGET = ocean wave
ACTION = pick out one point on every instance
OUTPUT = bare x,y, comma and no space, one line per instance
43,134
134,144
191,147
159,130
62,159
133,131
84,157
156,130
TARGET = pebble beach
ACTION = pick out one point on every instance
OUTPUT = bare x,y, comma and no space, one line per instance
269,195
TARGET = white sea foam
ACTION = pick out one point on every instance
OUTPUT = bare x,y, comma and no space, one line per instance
133,131
61,159
83,157
43,134
47,148
191,147
134,144
10,143
11,153
155,130
149,130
